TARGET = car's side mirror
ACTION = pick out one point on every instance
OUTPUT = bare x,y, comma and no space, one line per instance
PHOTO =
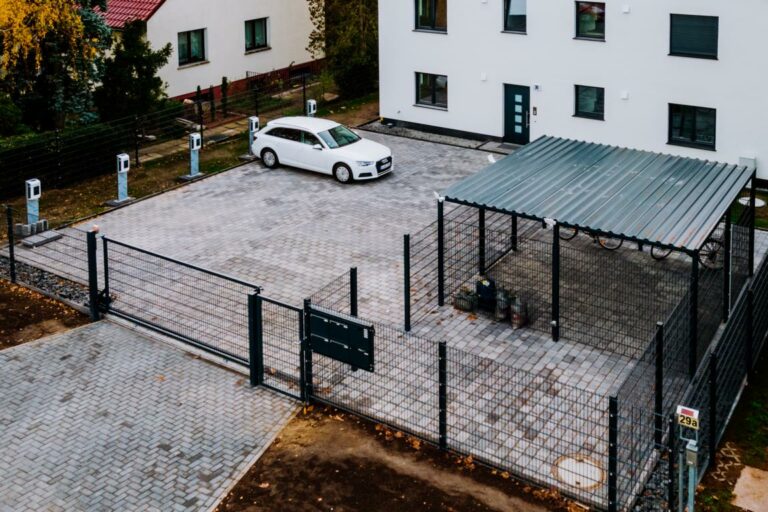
317,147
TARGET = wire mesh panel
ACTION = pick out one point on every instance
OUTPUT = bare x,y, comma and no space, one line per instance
739,259
710,307
403,391
530,424
206,309
760,290
281,338
424,275
462,247
677,343
698,397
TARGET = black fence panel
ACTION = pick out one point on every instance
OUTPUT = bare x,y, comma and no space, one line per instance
281,337
203,308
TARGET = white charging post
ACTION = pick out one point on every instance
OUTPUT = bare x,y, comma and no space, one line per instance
688,422
311,108
34,191
123,167
195,143
253,127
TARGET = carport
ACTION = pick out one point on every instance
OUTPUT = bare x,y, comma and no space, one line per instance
653,200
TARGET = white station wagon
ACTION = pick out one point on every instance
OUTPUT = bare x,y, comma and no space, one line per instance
322,146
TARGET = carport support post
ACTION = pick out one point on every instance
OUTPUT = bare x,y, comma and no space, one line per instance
727,266
514,233
712,406
93,277
556,282
753,186
694,316
613,452
11,242
255,339
440,253
443,376
407,282
353,291
659,387
481,241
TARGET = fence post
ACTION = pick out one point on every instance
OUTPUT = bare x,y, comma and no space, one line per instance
481,240
659,388
212,102
440,254
613,460
443,390
671,459
137,140
407,282
752,200
556,282
255,339
694,316
11,243
514,233
353,291
727,266
224,97
93,277
105,252
750,342
304,91
306,355
712,407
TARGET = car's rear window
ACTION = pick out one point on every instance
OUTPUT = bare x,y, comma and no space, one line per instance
339,137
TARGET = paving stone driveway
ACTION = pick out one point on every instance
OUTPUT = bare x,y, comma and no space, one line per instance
103,418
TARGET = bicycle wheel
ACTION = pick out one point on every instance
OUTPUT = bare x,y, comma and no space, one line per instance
711,254
568,233
659,253
609,243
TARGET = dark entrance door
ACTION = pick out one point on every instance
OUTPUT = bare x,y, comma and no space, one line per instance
517,106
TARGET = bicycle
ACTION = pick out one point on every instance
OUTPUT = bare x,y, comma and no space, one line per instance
607,243
710,255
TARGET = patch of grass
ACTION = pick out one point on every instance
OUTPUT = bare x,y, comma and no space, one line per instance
716,500
761,214
751,419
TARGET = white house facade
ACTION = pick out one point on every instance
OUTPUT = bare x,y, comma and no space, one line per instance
685,77
212,39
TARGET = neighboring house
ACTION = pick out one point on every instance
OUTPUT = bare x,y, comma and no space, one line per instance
216,38
686,77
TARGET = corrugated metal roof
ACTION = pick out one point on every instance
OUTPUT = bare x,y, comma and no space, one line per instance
649,197
119,12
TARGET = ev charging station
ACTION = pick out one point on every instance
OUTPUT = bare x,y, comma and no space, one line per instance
195,143
34,191
311,108
253,127
688,423
123,167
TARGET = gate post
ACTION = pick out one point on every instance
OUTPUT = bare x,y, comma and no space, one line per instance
659,388
440,253
306,354
255,339
443,390
11,242
407,282
93,277
353,291
613,461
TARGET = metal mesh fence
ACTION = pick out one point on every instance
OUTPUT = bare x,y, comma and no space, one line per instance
760,303
206,309
281,340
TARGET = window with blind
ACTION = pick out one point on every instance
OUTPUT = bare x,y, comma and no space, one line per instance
692,126
432,15
256,34
191,46
694,36
515,15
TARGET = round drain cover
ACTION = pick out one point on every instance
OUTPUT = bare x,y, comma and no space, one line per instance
759,203
578,471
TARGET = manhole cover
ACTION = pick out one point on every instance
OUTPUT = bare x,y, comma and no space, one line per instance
578,471
759,203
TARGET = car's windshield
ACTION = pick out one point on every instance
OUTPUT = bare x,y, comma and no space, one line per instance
339,137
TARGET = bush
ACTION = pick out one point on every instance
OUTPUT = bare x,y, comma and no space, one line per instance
10,118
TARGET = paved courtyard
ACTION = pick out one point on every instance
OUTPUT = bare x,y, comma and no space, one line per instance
104,418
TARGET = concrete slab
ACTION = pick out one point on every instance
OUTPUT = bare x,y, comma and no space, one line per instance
751,491
41,239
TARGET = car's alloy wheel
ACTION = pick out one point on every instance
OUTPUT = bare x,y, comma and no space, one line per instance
269,158
342,174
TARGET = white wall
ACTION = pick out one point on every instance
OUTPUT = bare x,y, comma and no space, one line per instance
634,58
288,29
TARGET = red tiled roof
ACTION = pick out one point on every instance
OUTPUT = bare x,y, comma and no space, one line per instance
121,11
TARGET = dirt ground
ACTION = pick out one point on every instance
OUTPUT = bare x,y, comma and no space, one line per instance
325,460
26,315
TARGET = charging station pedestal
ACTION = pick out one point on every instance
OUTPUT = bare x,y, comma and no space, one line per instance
35,231
123,167
311,108
195,143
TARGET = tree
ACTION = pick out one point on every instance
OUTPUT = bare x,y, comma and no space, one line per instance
10,117
52,57
130,84
346,32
